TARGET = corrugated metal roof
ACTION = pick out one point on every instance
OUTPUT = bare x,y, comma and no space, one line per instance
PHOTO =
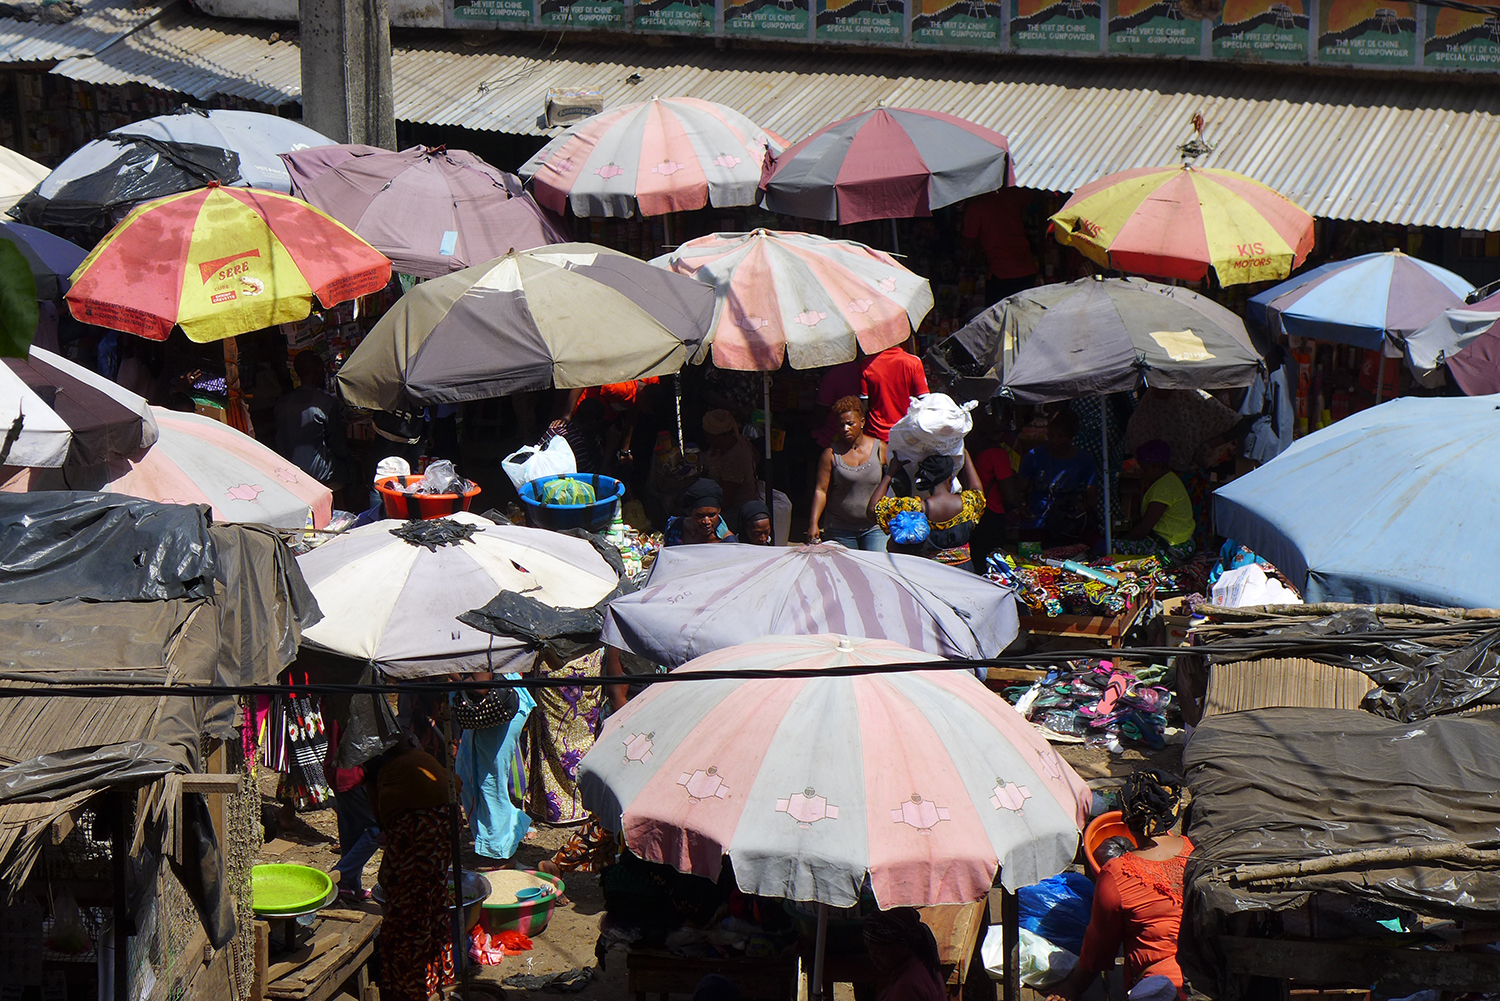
99,23
1414,151
202,57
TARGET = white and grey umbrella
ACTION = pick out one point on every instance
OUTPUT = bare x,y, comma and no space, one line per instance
396,603
69,415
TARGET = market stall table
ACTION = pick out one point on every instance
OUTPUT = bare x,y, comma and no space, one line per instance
338,949
1109,630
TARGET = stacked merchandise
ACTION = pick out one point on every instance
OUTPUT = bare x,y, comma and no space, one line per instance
1104,586
1099,703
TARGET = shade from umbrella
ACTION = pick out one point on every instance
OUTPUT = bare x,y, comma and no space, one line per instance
431,211
1398,503
1367,301
18,175
198,460
70,415
570,315
922,780
1179,222
699,599
52,259
396,604
221,261
1110,335
664,155
888,163
800,297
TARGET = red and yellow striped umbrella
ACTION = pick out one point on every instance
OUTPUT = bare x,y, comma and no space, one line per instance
1177,222
221,261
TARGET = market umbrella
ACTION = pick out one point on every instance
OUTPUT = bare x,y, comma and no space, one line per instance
1398,503
198,460
702,598
430,210
165,155
1099,335
18,175
51,258
1465,339
570,315
395,603
1180,222
221,261
922,781
69,415
1371,301
887,163
671,154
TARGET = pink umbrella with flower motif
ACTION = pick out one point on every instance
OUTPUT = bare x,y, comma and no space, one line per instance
198,460
658,156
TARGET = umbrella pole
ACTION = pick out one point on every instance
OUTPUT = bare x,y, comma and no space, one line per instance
1109,541
677,393
820,946
766,409
1380,377
460,950
895,239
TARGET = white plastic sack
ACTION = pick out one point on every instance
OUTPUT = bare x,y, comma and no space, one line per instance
532,463
934,425
1249,585
1041,964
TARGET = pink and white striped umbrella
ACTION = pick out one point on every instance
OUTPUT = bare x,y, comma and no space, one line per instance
799,296
198,460
924,780
664,155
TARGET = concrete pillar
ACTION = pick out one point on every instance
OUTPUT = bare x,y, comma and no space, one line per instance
346,71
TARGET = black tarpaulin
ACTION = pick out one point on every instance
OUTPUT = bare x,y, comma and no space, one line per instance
1283,785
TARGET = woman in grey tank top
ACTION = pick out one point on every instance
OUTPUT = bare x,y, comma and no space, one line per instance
848,473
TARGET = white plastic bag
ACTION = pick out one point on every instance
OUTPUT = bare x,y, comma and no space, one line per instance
1040,963
933,425
1248,585
532,463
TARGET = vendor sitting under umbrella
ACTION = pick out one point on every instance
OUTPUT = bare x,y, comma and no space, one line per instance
699,523
729,460
1166,525
755,524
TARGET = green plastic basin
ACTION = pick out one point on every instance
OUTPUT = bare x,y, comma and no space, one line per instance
287,889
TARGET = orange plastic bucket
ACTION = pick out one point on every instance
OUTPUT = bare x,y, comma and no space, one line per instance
1110,824
420,507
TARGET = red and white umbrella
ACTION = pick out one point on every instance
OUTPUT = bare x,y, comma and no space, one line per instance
664,155
801,297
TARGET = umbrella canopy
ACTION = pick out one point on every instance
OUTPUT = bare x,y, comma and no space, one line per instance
163,156
198,460
396,604
699,599
431,211
1466,339
1397,503
70,415
671,154
1178,222
221,261
570,315
52,259
1110,335
18,175
889,163
1366,301
922,780
801,297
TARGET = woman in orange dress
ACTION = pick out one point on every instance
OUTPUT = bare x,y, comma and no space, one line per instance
1138,897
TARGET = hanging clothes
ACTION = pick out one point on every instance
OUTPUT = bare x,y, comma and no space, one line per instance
492,776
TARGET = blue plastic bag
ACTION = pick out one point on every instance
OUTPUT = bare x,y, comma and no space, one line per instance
1058,909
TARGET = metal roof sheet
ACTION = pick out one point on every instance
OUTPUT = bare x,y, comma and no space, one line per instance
1415,151
99,23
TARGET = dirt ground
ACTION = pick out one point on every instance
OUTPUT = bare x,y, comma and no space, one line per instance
568,942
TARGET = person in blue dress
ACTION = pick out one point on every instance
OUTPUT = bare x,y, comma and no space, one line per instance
1060,482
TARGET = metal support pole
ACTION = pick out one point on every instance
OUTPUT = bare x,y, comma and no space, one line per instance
677,393
1109,540
119,851
766,409
895,239
460,950
820,946
1380,377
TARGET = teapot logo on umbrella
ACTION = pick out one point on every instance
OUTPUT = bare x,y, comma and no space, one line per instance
638,747
668,167
609,170
810,317
727,161
860,305
922,814
807,808
1009,796
705,783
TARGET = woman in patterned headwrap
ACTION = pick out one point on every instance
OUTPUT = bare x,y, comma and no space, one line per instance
1138,899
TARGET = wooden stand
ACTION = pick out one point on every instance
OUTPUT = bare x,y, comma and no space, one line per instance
1098,630
341,944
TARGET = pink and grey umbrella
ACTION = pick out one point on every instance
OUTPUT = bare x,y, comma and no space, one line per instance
805,298
663,155
699,599
198,460
889,163
430,210
922,780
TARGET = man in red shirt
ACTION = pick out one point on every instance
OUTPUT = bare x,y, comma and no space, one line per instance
889,382
996,221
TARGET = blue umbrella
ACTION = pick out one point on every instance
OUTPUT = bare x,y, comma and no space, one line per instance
1397,503
1364,301
52,259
